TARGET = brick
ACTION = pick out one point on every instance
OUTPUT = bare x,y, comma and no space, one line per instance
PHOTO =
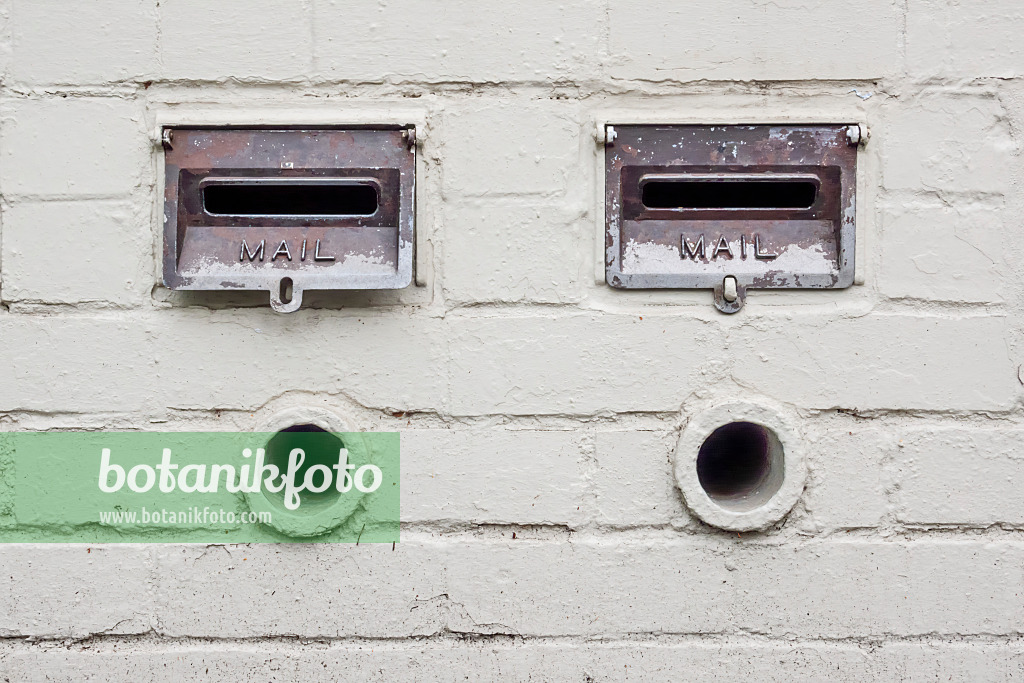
750,39
587,363
945,142
75,364
263,40
72,590
579,364
573,364
944,254
432,661
73,146
847,477
480,41
510,147
631,479
173,360
958,475
382,361
592,587
491,476
716,660
372,590
5,40
99,42
102,250
953,603
950,38
879,362
954,661
512,252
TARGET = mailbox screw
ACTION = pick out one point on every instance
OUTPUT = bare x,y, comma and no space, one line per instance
167,138
609,135
410,137
855,134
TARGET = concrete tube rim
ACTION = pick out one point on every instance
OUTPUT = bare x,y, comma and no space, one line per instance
794,474
303,524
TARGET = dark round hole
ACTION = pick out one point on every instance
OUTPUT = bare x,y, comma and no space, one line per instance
320,447
740,465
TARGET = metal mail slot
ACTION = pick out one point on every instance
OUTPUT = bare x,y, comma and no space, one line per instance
288,210
730,208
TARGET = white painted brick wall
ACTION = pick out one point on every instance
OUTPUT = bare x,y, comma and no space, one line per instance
934,252
949,141
85,238
478,41
960,476
490,249
99,42
235,39
950,38
509,477
544,535
752,39
73,147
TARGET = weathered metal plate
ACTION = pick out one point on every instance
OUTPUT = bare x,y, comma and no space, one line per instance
284,209
772,206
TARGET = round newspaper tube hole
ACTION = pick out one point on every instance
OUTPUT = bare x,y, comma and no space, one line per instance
319,447
286,290
741,466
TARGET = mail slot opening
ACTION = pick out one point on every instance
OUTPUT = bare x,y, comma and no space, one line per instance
320,450
728,193
741,465
290,199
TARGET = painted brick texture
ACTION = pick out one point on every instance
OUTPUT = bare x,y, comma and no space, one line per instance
544,535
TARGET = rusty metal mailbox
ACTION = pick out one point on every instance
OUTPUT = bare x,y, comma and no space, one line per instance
730,207
286,210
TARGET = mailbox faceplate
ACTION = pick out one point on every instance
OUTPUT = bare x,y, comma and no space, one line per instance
772,206
288,210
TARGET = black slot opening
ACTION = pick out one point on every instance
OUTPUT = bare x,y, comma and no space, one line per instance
290,199
729,194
